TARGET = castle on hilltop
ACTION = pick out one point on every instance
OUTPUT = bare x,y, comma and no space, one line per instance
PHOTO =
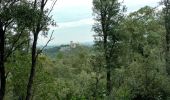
72,45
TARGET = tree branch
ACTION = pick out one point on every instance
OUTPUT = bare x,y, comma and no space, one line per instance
52,6
14,48
50,39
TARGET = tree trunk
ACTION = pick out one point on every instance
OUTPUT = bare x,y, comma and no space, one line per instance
2,67
167,26
108,67
105,42
109,84
34,50
167,53
33,65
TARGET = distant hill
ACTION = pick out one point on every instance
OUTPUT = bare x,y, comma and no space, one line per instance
52,51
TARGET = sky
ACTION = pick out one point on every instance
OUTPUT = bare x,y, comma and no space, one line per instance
74,20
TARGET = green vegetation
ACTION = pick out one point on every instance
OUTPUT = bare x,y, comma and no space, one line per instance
128,61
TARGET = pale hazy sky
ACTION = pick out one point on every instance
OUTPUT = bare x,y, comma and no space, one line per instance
74,19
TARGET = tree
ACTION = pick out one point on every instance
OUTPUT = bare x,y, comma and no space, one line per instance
8,24
107,13
18,67
40,25
167,27
144,77
2,67
73,73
